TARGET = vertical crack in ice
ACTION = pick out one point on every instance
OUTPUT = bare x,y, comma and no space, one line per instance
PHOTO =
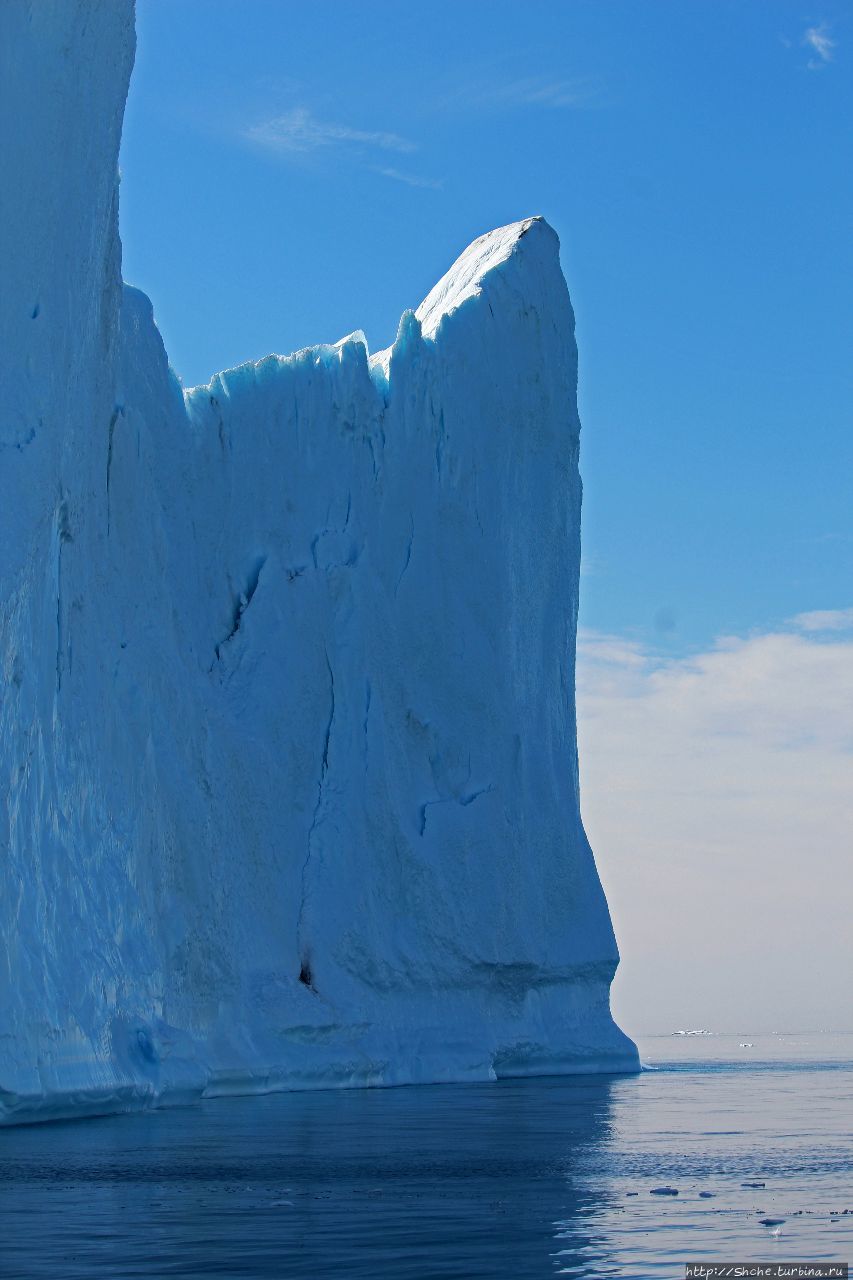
408,553
63,535
59,619
440,443
325,763
240,607
428,805
317,815
368,694
374,461
314,541
117,413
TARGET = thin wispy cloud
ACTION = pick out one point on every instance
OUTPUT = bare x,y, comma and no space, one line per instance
411,179
818,40
551,92
298,132
717,791
538,91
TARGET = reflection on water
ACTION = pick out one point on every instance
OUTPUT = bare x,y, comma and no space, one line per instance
519,1179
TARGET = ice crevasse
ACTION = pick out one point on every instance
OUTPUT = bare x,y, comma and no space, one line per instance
288,766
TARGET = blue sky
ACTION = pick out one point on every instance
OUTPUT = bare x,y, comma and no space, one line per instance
288,178
291,172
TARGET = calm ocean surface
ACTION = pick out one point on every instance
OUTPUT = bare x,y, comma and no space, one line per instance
518,1179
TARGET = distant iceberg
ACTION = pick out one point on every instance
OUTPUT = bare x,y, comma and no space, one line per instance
287,736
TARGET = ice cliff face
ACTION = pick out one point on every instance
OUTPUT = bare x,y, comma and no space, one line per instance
288,774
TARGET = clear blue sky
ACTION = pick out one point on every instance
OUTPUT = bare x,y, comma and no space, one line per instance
292,172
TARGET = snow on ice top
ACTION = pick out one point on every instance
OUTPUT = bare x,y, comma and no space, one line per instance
465,277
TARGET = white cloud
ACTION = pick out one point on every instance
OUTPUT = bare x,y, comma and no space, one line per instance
298,131
824,620
718,795
412,179
552,92
818,39
542,91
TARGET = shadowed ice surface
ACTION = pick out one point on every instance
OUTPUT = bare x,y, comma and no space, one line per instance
523,1178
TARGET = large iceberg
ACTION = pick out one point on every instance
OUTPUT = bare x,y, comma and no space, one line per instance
288,767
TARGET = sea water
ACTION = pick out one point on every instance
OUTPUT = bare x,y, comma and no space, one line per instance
523,1178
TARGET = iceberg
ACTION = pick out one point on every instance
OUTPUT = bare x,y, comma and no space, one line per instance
288,760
